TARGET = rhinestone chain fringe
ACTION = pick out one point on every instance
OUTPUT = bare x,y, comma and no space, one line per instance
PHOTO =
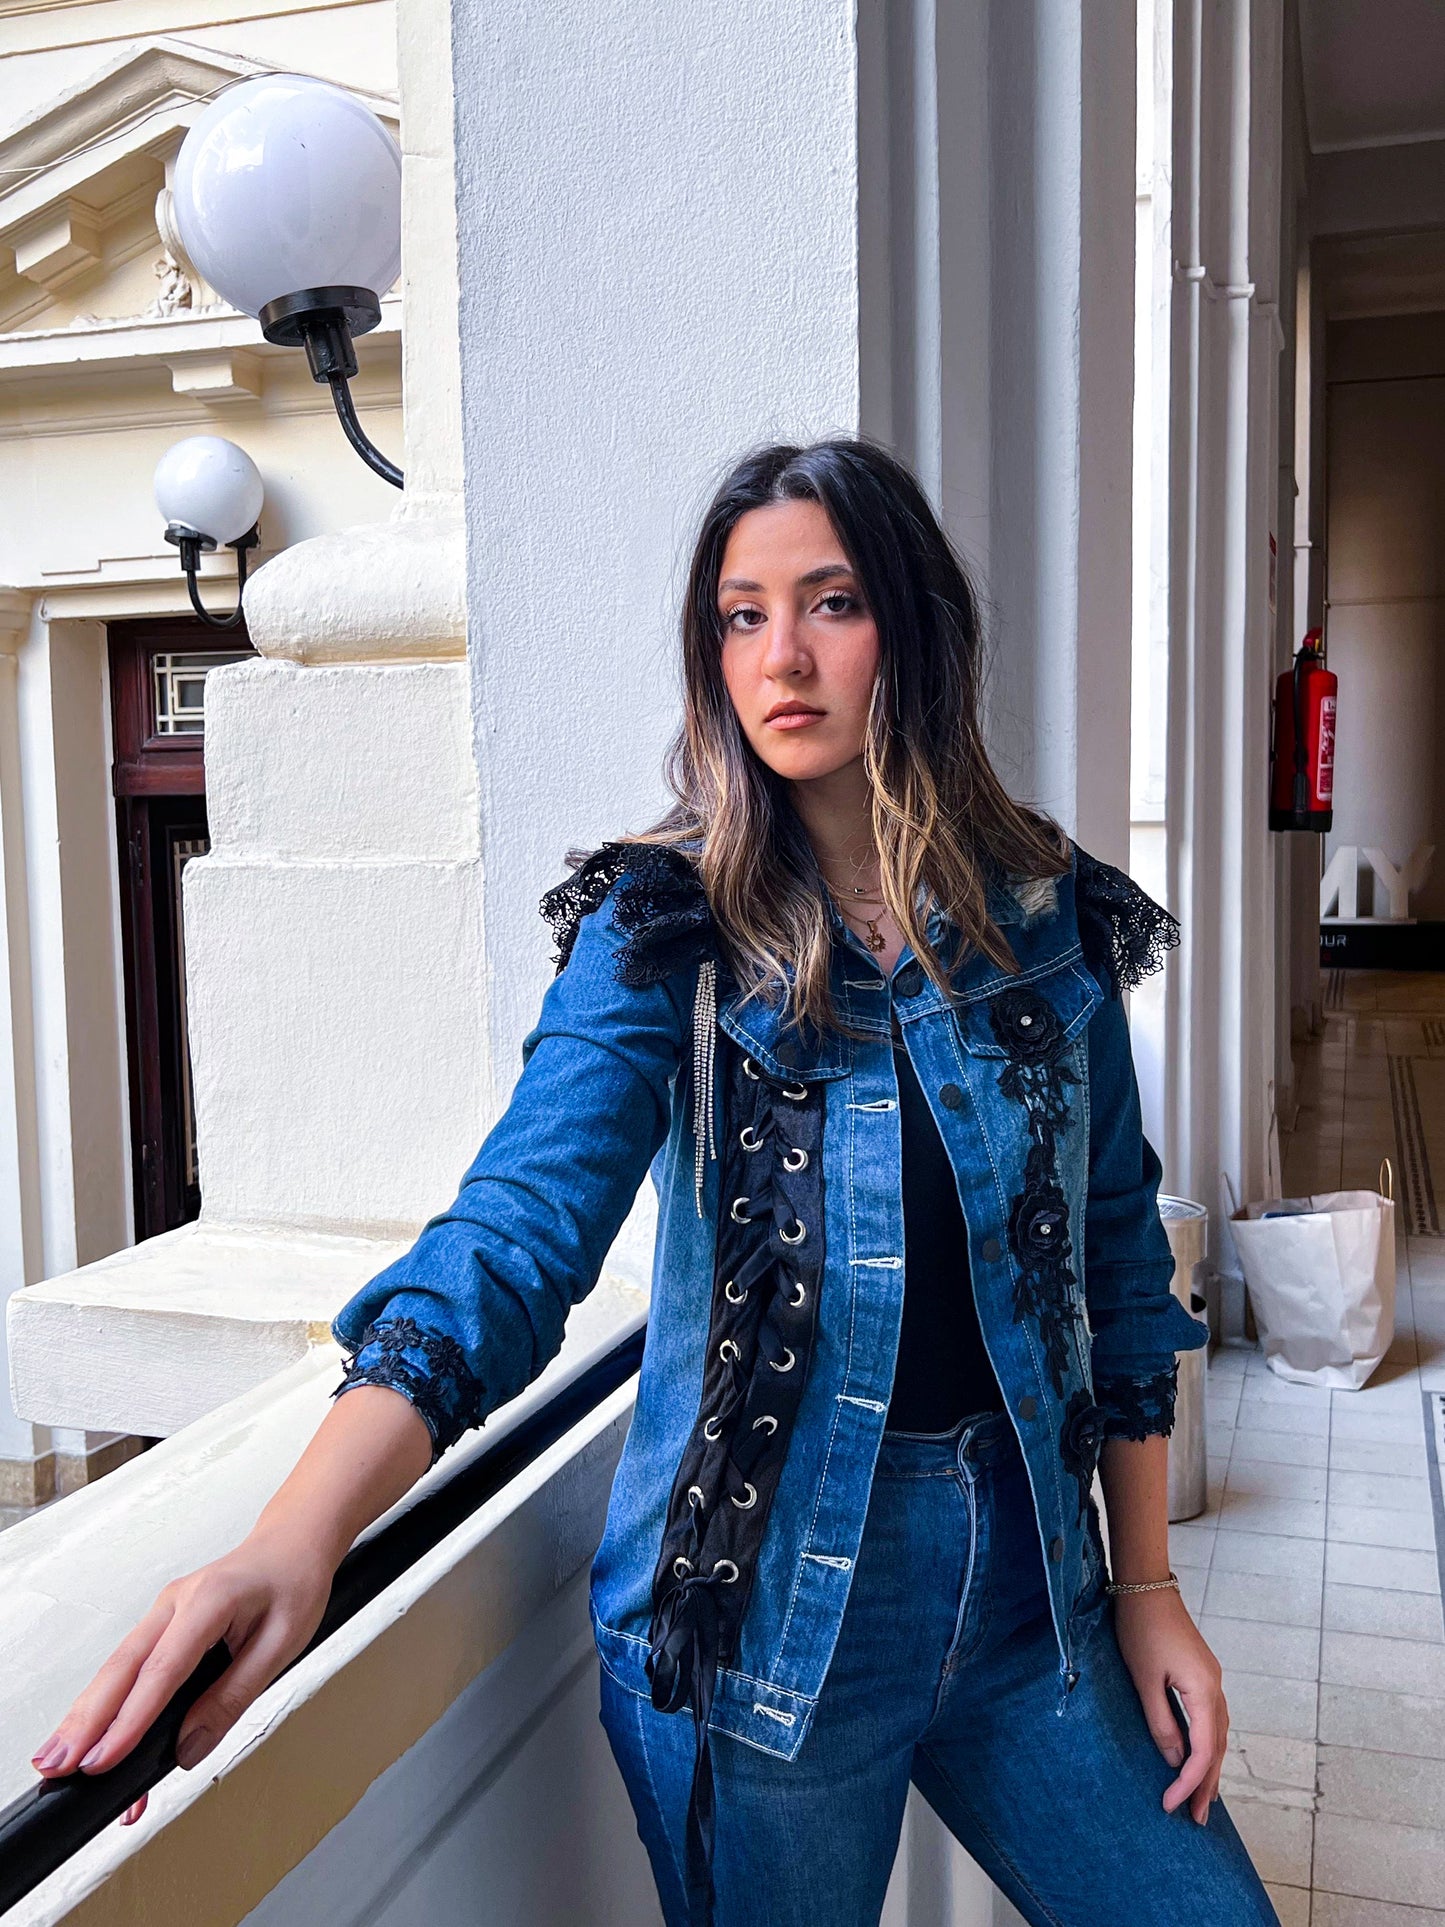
704,1029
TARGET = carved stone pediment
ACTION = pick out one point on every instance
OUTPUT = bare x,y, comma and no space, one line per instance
84,236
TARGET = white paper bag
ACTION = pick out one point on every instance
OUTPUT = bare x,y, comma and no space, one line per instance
1322,1282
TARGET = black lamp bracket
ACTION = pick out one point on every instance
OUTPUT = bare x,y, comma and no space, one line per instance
192,545
323,321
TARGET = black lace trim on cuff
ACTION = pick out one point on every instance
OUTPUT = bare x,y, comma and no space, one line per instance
1124,932
1139,1408
660,906
442,1386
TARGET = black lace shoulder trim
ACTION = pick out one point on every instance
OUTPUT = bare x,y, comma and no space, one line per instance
660,906
1125,933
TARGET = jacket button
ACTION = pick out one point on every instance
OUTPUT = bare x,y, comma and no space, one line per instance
909,980
787,1053
951,1095
1028,1405
1056,1550
993,1251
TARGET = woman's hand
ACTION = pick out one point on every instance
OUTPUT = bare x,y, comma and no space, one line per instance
265,1600
1163,1648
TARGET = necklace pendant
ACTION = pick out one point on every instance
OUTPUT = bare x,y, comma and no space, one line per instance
876,940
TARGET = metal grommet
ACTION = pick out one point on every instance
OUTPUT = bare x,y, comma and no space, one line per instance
802,1233
701,1498
748,1132
732,1575
712,1436
740,1217
745,1505
792,1360
682,1566
766,1418
730,1345
797,1152
797,1096
802,1297
734,1297
751,1070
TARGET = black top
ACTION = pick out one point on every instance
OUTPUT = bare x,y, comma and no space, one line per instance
943,1371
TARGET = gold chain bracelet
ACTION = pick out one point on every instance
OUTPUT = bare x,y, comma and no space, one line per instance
1171,1584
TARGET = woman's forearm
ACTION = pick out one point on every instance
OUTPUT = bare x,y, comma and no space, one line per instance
1135,1476
368,1452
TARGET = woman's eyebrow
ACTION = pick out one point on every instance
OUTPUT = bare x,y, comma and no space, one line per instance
823,573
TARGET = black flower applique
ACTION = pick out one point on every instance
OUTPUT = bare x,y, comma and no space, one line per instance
1080,1437
1026,1025
659,904
1035,1076
1038,1225
440,1383
1140,1408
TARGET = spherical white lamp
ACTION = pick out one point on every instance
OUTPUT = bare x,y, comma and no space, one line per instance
288,183
287,199
210,492
208,485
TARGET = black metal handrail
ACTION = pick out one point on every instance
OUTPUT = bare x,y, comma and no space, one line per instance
43,1828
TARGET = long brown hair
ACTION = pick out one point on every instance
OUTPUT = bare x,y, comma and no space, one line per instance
940,816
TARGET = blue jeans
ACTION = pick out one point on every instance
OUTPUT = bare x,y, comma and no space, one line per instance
945,1674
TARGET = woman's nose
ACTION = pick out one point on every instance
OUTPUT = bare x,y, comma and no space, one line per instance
783,649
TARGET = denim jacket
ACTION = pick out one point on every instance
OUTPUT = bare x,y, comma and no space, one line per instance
1032,1085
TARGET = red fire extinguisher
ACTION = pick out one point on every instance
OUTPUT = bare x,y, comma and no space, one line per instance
1302,759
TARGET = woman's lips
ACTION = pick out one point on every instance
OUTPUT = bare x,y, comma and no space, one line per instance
795,719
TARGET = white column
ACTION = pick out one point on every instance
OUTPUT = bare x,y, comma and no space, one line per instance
1062,106
24,1468
1221,1011
657,212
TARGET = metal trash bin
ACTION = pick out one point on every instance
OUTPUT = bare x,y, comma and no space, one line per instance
1187,1224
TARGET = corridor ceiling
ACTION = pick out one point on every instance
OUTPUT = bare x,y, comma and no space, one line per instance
1374,87
1374,75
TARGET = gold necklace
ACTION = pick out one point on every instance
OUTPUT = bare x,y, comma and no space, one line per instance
875,939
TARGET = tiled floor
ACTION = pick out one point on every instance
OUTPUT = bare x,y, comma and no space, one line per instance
1315,1570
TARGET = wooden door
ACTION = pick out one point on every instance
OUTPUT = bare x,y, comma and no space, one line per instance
157,681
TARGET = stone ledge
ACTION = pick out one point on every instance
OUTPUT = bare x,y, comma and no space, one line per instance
151,1339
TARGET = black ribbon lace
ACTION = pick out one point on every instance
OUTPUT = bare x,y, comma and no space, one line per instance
768,1270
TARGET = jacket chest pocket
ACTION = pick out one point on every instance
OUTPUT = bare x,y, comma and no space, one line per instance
1035,1022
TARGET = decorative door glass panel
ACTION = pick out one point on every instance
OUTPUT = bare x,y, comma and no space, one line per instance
179,679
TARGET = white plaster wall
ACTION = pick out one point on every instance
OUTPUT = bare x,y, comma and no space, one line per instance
657,225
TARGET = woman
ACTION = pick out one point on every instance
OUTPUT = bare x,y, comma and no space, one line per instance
859,1013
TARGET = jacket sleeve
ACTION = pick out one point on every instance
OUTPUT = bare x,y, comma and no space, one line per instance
1138,1324
473,1312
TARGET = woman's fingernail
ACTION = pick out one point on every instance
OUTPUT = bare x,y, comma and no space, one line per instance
193,1746
93,1755
51,1754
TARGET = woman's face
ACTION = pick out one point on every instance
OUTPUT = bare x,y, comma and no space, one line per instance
796,638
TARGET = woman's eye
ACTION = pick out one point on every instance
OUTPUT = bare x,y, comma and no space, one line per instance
742,617
839,602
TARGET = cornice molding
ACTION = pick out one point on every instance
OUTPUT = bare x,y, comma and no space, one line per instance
15,610
138,104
